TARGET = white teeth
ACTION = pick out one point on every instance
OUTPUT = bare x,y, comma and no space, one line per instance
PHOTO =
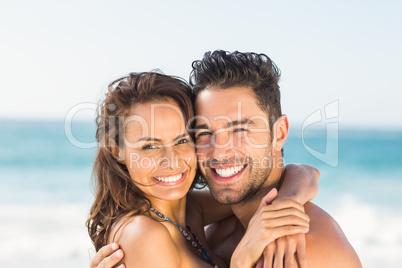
170,178
228,172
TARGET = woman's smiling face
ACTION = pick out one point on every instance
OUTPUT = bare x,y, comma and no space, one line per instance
158,151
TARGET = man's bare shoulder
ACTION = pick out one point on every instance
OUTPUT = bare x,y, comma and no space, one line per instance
139,237
326,244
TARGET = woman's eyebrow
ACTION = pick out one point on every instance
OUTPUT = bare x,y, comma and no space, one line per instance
159,140
181,136
149,139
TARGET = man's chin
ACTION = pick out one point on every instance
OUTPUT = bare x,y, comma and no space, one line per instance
226,197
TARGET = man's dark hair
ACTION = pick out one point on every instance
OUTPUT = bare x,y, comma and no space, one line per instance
223,69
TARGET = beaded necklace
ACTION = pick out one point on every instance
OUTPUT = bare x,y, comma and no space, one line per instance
197,244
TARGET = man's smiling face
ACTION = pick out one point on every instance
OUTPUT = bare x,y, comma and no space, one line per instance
233,143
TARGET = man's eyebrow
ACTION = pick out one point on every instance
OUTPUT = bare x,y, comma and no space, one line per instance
230,124
240,122
203,126
159,140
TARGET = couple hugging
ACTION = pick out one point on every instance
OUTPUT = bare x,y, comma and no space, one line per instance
160,139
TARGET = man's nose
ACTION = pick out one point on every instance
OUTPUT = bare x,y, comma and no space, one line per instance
222,145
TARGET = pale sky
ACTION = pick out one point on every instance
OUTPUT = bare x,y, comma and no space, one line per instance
55,55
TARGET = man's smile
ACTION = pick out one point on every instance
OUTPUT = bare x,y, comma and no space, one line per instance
228,171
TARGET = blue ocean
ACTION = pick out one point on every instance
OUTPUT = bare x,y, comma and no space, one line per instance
45,189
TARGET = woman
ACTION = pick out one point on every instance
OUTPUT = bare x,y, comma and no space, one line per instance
145,169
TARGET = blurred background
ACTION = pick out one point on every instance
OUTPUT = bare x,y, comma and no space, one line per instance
340,85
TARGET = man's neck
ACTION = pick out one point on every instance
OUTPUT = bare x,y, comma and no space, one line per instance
244,211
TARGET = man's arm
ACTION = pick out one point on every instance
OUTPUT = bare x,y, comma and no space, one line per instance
108,256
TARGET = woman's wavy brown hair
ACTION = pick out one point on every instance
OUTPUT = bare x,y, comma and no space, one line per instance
116,195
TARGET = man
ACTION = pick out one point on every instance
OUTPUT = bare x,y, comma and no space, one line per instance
239,145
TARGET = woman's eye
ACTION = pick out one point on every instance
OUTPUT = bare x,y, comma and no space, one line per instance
184,141
240,130
150,146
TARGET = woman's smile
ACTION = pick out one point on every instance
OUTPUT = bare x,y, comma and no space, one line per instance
171,179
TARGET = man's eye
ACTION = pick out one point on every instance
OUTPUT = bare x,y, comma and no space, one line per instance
150,146
204,133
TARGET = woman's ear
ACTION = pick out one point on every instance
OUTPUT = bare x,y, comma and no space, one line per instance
280,132
117,153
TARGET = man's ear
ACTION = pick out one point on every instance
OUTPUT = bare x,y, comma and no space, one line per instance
117,153
281,130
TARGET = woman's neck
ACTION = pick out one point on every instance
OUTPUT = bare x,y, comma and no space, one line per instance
173,209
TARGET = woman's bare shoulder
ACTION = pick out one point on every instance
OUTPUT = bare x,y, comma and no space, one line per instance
136,225
140,237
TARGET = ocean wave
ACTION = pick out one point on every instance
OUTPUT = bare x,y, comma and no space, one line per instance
372,229
43,233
